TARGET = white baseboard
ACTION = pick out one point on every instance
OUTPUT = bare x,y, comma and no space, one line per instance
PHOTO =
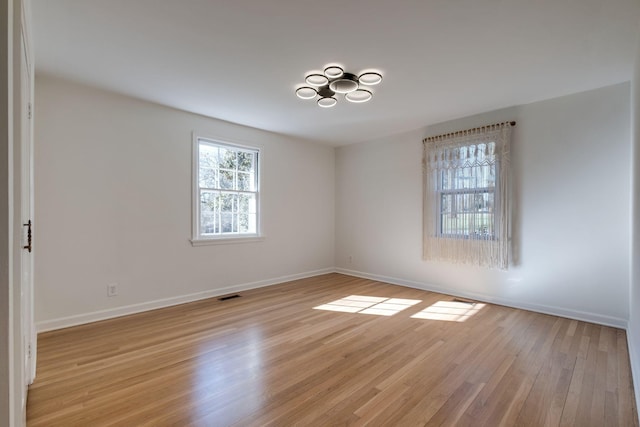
615,322
65,322
80,319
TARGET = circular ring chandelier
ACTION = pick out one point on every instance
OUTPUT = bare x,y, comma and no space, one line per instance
334,80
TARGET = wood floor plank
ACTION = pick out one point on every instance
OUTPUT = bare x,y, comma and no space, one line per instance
299,353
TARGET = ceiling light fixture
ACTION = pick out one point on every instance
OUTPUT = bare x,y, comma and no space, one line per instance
333,72
317,80
326,99
370,79
360,95
334,81
306,92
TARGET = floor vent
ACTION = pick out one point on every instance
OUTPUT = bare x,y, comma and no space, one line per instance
228,297
465,301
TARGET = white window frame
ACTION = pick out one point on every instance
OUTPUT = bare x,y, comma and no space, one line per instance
198,239
476,190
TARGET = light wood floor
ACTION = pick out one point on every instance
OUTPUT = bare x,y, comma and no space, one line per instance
271,358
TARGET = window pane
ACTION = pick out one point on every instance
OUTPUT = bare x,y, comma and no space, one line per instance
252,227
227,179
467,214
245,161
245,182
247,203
243,203
208,156
228,203
207,223
226,222
483,202
208,206
467,178
207,200
445,180
227,158
467,224
243,223
464,178
484,225
446,203
208,178
208,164
485,176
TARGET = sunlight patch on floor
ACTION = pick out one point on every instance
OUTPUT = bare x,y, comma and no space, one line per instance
450,311
363,304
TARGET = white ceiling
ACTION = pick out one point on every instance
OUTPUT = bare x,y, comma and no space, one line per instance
241,60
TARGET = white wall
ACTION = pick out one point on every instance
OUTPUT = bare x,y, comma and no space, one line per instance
113,200
113,204
633,332
571,170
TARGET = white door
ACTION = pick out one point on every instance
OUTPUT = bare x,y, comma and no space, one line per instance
26,294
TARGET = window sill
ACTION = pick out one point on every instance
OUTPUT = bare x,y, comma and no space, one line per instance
226,240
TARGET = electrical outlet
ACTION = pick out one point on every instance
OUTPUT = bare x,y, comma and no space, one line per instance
350,259
112,289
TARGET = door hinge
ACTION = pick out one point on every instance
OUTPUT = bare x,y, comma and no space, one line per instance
29,351
29,111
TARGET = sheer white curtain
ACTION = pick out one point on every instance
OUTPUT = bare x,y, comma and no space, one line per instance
466,197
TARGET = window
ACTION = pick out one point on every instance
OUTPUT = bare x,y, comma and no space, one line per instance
226,190
467,194
466,199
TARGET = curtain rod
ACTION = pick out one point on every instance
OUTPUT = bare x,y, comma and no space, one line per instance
461,132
